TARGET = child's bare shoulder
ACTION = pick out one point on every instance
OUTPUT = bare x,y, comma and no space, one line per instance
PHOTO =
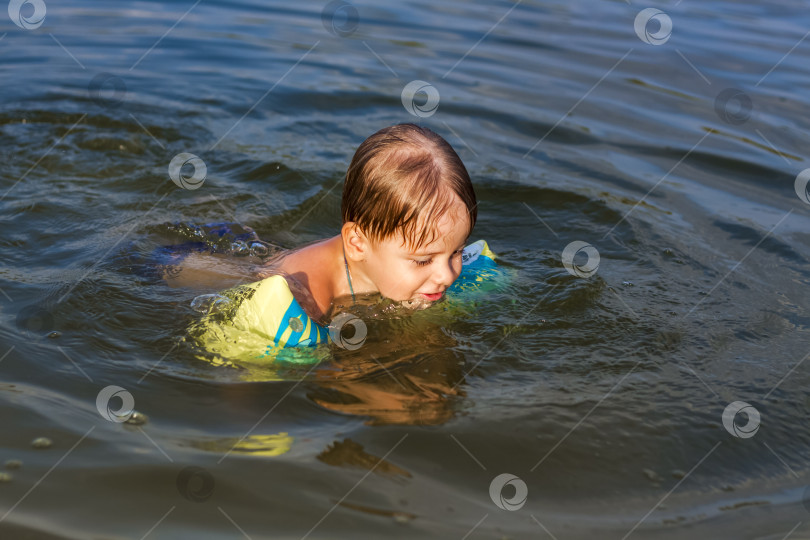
306,260
307,273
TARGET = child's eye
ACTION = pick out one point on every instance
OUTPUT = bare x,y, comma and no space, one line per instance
428,261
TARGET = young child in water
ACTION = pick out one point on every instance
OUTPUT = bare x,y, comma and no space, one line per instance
408,209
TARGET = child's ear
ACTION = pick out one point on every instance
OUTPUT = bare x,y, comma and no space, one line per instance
355,242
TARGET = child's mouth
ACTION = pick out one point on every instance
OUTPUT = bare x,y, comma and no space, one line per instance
432,297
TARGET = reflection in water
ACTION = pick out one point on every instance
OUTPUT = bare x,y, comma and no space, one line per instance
407,372
401,517
270,445
351,454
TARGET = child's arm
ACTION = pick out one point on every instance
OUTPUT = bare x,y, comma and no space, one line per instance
210,270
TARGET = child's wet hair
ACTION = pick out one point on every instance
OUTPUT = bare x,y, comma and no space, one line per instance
403,176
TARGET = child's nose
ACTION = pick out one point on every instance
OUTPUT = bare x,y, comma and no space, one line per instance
445,276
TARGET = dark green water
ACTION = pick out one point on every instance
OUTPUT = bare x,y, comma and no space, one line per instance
604,395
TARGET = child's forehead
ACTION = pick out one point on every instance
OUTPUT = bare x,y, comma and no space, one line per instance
448,230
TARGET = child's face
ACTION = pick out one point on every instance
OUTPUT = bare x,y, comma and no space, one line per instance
401,274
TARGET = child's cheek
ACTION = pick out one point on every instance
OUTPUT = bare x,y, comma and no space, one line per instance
409,279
